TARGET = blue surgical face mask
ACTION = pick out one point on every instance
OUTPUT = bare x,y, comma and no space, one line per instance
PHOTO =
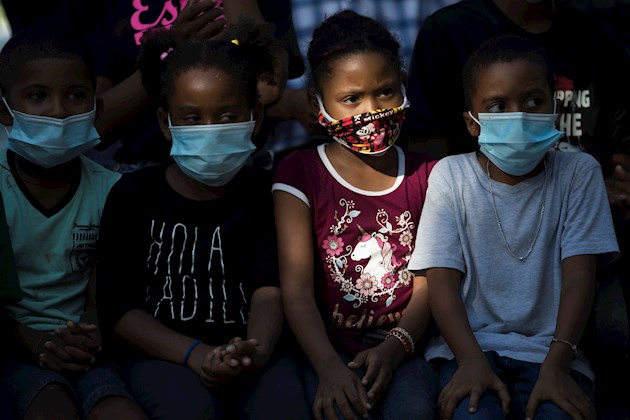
48,141
516,141
212,154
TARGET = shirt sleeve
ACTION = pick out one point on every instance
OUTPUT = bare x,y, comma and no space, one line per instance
438,241
118,289
290,177
588,226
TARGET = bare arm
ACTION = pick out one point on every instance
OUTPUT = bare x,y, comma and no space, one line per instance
337,384
265,322
554,382
473,376
145,333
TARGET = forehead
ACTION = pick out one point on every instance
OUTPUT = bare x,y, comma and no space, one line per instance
210,84
361,67
502,78
53,73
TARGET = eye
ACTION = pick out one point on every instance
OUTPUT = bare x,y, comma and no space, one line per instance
496,107
78,94
351,99
533,103
37,95
228,118
387,92
191,119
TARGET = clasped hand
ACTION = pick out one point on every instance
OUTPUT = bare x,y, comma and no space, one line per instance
70,349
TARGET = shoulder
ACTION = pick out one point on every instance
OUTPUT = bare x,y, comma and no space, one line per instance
300,161
96,174
573,161
456,14
143,181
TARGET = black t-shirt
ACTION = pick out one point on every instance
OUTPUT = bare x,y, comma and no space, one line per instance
591,81
193,265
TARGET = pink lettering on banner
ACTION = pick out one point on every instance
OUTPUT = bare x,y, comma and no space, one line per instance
165,19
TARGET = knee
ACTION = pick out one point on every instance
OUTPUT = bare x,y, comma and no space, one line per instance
116,408
53,401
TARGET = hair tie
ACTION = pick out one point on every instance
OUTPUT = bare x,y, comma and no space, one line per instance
165,54
235,42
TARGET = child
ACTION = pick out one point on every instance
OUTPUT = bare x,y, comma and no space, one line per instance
53,199
511,238
192,244
347,213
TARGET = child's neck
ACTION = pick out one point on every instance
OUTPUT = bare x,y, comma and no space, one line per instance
370,173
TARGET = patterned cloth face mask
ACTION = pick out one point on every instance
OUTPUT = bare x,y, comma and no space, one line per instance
370,133
48,141
212,154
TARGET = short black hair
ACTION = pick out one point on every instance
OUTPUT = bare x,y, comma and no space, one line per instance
39,42
345,33
244,51
504,49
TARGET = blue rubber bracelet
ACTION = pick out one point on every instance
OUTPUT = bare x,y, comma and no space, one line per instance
189,351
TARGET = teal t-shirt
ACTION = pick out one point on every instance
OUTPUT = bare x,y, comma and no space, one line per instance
9,286
54,248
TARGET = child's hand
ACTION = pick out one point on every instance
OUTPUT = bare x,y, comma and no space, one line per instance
214,371
199,19
340,387
238,352
55,355
380,361
558,386
85,336
472,378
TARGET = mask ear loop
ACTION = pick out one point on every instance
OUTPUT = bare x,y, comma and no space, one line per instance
323,110
474,119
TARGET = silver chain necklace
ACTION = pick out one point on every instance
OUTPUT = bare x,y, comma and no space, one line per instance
496,213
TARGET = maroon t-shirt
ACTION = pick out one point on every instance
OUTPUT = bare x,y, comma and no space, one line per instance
362,240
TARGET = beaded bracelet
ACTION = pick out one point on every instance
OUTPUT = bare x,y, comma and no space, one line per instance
573,346
189,351
405,339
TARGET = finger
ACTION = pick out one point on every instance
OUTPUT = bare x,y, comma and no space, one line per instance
358,361
73,328
318,408
532,405
46,362
359,400
344,404
212,29
504,395
621,173
79,355
87,327
59,365
382,379
372,371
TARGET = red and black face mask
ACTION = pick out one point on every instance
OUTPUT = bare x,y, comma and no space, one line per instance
369,133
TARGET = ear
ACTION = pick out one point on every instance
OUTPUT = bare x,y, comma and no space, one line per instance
404,78
312,100
259,116
162,116
473,127
99,107
5,116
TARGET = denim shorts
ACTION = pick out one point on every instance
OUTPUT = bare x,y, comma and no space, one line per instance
520,378
25,380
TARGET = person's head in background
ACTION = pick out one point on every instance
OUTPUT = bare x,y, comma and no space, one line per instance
47,78
356,69
508,89
209,105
